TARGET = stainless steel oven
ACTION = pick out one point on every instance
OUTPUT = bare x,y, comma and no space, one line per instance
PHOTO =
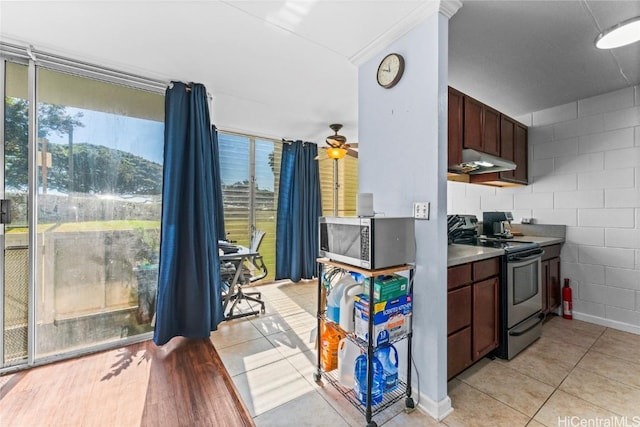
521,298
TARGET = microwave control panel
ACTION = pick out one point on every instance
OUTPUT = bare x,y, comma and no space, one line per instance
364,243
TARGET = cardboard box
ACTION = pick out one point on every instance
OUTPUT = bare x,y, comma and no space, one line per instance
391,318
387,287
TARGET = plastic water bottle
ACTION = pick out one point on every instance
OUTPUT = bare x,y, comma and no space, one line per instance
360,387
388,356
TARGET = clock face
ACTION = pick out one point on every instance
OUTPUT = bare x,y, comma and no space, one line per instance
390,70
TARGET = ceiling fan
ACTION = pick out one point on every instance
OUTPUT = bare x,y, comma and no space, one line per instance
337,144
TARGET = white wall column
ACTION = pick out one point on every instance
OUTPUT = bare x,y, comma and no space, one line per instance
403,159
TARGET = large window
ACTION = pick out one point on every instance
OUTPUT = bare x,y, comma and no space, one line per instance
250,169
347,184
83,171
99,201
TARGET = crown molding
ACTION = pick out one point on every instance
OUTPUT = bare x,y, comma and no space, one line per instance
447,7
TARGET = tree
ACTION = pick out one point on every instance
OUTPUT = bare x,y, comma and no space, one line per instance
51,119
93,169
54,119
16,143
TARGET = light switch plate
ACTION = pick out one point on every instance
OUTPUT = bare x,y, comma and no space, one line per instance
421,210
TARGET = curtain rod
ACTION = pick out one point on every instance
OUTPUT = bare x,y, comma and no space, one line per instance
73,66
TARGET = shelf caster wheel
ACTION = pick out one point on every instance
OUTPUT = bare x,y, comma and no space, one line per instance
372,424
316,377
409,403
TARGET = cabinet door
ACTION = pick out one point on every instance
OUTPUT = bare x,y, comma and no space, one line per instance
545,286
521,154
554,283
458,309
485,317
486,268
491,131
458,276
507,135
456,120
458,352
472,124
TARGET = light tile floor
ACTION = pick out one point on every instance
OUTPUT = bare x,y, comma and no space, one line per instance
577,373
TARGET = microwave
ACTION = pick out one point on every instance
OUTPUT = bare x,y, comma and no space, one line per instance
371,243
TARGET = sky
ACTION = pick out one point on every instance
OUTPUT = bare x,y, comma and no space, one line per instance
234,160
144,138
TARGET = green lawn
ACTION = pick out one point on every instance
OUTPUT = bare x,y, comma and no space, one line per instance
267,249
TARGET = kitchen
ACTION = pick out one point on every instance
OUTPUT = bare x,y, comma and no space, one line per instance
583,155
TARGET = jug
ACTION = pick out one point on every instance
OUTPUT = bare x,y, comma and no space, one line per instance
334,296
346,306
360,386
329,347
388,356
348,351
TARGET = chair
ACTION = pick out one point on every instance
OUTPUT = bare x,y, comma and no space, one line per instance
257,268
236,274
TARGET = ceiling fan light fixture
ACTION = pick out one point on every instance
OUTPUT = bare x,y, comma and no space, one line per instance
336,153
621,34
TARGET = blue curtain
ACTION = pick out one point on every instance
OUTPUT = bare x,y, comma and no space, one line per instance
299,206
189,298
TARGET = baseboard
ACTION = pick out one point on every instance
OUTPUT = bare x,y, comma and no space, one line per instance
626,327
437,410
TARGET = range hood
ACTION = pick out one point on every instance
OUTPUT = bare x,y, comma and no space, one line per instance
475,163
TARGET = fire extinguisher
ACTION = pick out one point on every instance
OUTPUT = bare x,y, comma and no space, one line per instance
567,303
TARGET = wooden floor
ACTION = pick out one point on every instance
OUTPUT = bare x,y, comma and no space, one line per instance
184,383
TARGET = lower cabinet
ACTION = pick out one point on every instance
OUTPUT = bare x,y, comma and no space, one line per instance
485,317
459,352
473,310
551,286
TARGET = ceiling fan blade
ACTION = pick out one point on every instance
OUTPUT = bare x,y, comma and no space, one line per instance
336,140
353,144
352,153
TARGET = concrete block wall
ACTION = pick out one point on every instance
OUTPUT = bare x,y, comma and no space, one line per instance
584,172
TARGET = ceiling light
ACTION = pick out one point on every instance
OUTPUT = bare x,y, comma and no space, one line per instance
621,34
336,152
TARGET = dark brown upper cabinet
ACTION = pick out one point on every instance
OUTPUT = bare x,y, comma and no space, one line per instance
472,124
521,150
456,119
475,125
491,131
481,127
513,146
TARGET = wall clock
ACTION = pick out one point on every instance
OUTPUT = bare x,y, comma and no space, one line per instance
390,70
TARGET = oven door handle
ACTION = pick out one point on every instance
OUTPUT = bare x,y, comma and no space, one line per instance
518,333
527,258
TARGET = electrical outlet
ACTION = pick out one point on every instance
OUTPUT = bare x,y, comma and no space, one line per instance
421,210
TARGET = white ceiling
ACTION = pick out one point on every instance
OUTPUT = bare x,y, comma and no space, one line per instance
286,69
525,56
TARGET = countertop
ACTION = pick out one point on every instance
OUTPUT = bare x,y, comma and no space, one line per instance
462,254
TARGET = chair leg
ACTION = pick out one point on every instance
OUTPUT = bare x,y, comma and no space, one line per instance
257,294
249,297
